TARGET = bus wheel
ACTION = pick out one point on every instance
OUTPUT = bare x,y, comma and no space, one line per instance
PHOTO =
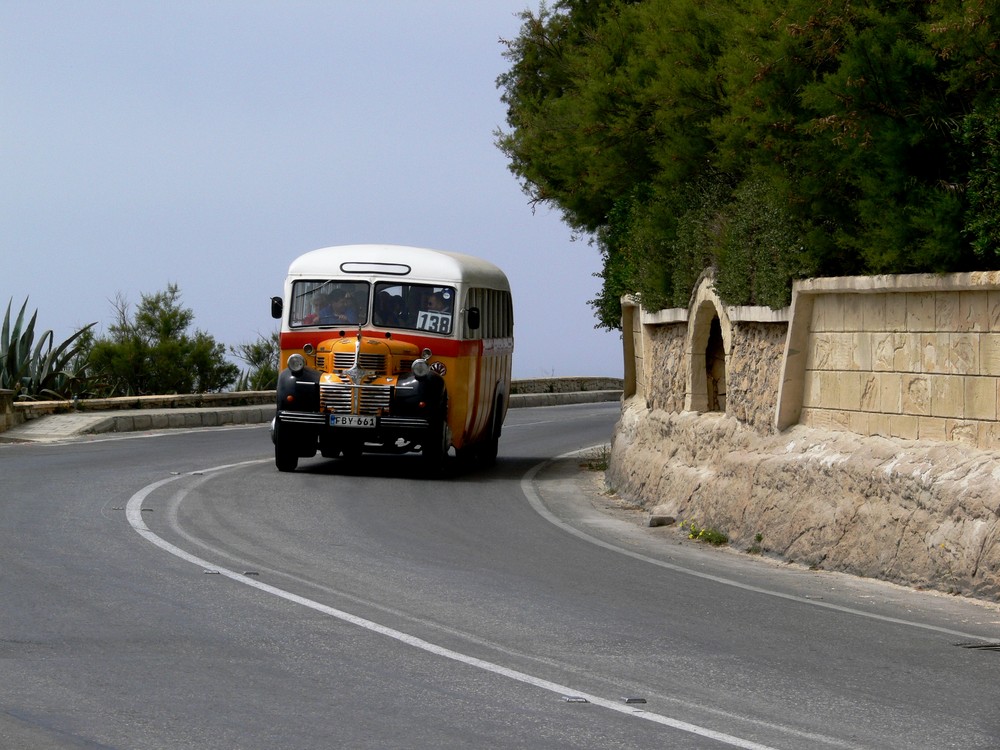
435,447
488,450
286,454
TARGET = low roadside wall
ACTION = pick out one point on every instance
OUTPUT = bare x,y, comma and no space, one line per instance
564,385
555,391
25,411
532,392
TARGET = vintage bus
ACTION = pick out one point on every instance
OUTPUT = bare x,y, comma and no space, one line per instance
391,349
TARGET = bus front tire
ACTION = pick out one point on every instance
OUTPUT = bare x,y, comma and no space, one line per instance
285,459
435,447
286,453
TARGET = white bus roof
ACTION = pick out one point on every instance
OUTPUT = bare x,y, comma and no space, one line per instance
398,262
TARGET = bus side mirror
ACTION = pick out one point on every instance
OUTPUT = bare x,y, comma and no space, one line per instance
473,318
276,307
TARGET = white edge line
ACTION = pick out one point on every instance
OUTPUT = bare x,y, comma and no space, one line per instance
528,488
133,513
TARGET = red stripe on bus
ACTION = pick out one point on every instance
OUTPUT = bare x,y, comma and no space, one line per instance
440,347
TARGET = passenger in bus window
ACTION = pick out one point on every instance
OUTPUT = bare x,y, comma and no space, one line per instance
312,318
388,310
339,309
439,302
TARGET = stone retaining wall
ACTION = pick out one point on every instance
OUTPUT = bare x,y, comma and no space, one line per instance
918,513
856,430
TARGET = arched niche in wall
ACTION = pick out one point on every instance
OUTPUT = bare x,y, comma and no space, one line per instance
708,347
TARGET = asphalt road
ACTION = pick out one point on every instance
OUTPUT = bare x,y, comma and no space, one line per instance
175,591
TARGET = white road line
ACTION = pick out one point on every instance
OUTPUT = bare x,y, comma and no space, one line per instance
133,512
529,492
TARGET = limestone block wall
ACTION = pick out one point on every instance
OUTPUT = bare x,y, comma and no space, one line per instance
912,357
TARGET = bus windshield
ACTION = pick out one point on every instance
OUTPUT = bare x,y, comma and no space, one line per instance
329,303
419,307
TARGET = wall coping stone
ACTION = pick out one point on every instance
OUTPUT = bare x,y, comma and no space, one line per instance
912,282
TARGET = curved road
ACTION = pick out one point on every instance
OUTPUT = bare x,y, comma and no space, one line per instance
175,591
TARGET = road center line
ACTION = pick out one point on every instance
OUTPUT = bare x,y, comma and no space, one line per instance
133,512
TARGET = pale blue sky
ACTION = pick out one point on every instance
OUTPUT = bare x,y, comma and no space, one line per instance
209,142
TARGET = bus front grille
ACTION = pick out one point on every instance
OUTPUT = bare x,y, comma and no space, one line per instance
344,398
374,364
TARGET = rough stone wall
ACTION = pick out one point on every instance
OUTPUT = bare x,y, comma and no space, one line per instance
665,366
753,373
8,417
914,512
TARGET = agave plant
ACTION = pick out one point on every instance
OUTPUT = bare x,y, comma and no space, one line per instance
41,369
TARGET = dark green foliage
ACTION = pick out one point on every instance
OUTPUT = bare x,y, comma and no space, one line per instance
981,136
767,140
153,353
43,369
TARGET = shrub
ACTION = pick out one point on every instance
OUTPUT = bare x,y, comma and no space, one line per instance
43,369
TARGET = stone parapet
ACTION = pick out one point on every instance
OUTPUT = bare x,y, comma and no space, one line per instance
915,357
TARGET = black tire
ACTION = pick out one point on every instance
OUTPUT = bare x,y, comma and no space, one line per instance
286,453
487,452
435,446
488,449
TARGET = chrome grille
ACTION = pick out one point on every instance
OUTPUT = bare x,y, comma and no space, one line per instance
344,398
373,363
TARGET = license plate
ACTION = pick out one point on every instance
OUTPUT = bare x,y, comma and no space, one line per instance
352,420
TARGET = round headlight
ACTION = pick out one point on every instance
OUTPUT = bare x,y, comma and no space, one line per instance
296,363
420,368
